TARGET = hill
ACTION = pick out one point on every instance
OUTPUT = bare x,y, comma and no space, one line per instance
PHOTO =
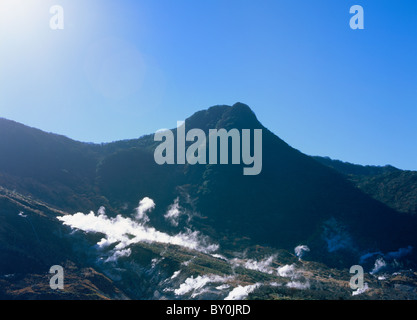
394,187
209,223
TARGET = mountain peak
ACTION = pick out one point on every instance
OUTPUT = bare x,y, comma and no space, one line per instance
242,107
238,116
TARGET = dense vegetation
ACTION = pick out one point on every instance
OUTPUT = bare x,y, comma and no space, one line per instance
389,185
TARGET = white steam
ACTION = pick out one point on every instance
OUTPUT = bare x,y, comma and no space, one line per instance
386,262
125,231
195,286
378,266
219,256
173,213
145,205
21,214
301,250
290,271
241,292
361,290
262,266
223,287
298,285
287,271
119,254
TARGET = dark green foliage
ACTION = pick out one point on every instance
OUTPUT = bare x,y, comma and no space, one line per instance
389,185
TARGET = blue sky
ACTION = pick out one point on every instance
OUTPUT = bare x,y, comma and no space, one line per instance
121,69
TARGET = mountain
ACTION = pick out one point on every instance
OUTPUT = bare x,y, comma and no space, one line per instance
294,200
394,187
31,241
47,166
158,229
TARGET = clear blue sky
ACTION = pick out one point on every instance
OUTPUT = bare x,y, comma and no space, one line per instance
121,69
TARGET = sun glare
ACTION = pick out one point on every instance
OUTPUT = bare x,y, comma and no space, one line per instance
19,15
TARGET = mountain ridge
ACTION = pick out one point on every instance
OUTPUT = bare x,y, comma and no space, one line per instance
392,186
296,199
